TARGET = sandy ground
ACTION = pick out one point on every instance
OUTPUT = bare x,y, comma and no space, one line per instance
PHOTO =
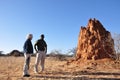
11,69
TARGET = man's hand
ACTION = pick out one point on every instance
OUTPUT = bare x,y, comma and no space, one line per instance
36,51
46,50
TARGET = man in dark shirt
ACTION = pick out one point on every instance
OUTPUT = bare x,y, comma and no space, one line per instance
41,49
28,50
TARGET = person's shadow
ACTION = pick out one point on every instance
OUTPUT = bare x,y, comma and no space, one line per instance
80,75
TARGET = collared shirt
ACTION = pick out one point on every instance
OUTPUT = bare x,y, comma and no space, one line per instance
28,47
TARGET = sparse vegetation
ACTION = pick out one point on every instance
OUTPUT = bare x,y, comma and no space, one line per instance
72,52
1,53
15,53
56,68
116,38
11,69
58,55
117,42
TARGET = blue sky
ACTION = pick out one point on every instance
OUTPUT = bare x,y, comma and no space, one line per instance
59,20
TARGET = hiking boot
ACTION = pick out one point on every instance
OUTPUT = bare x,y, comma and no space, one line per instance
26,75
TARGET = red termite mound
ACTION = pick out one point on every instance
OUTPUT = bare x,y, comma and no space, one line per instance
95,42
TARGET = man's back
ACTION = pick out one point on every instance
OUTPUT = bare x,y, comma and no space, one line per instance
41,44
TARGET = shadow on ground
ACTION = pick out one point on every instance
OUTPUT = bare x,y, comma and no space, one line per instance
81,75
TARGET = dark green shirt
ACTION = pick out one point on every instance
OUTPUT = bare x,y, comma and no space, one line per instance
41,45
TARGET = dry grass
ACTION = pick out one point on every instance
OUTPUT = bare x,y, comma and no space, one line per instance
11,69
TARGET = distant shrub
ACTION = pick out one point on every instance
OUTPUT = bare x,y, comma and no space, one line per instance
58,55
15,53
118,56
1,53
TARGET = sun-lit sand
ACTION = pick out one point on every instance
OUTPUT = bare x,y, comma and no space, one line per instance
11,69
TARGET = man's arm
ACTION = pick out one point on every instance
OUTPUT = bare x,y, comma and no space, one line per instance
45,47
35,45
25,47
